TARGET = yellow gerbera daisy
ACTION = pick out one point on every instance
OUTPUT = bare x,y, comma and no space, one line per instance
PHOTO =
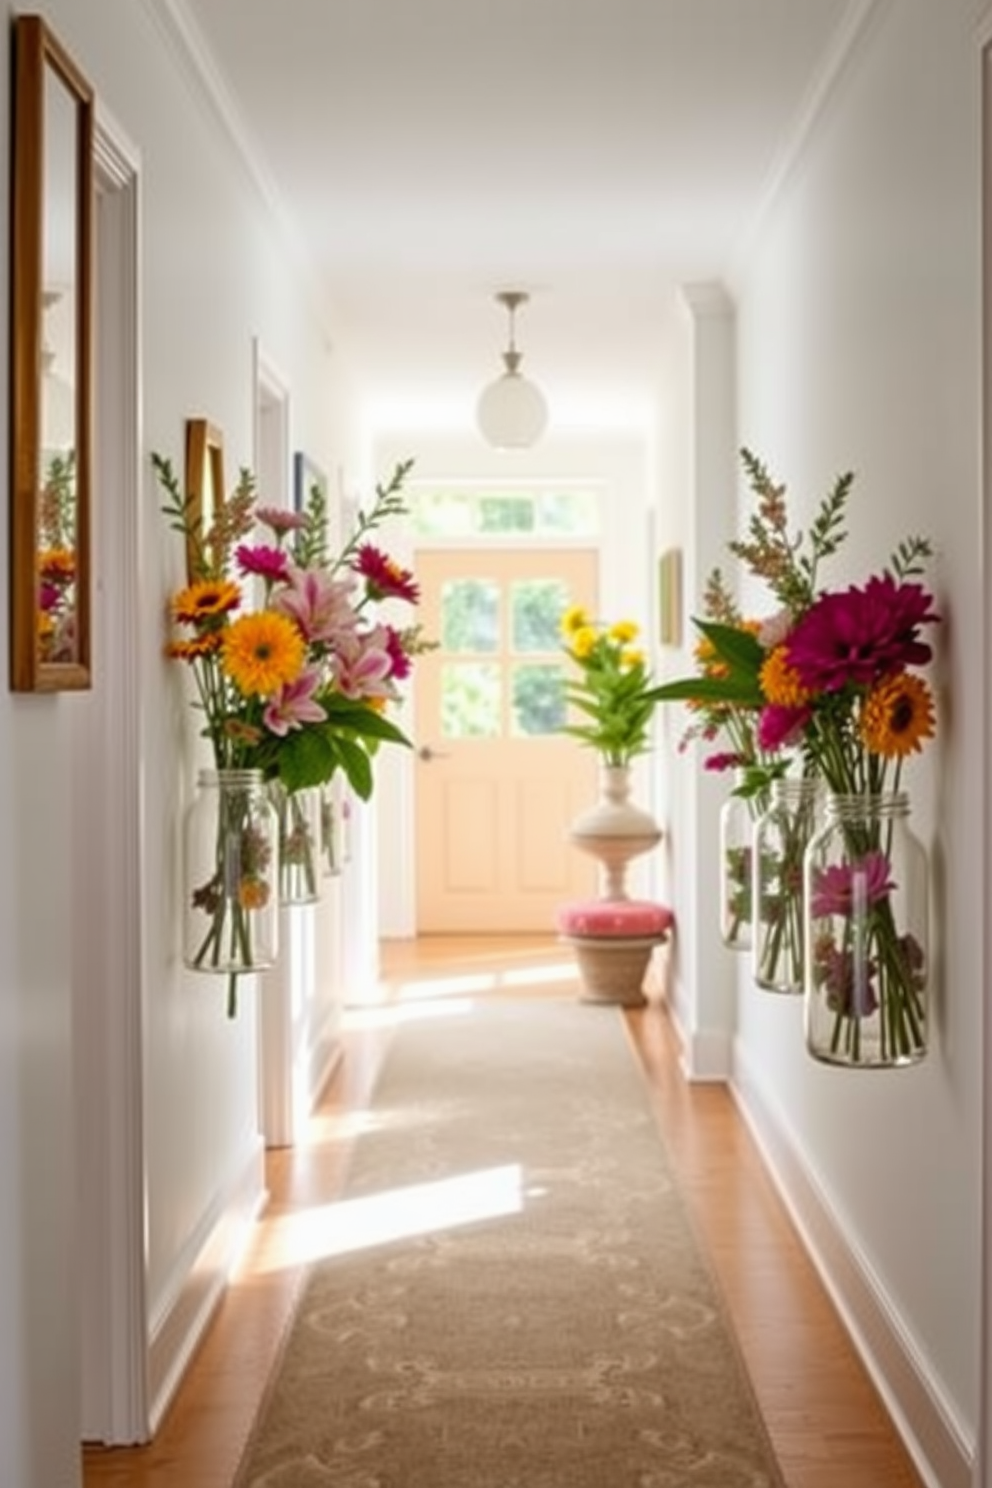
897,715
205,599
574,618
780,682
583,641
262,652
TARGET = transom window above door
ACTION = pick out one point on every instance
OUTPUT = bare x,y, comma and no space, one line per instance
473,511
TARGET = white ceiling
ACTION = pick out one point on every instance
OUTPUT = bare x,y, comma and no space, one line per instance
596,153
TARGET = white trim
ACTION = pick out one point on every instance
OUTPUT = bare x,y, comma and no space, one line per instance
816,104
203,1269
210,88
108,973
706,1056
924,1416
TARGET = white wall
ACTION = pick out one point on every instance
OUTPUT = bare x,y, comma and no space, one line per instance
216,272
859,347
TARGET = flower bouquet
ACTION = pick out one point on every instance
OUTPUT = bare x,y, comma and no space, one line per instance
290,690
832,679
613,689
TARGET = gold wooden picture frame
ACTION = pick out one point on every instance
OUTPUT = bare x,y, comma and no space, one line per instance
204,491
670,597
51,398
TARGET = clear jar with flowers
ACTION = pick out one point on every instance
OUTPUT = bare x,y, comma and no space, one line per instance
289,690
834,678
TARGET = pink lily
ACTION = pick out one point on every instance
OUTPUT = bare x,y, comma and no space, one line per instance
293,705
320,605
362,665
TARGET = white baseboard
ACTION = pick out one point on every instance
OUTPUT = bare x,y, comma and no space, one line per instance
326,1053
935,1440
208,1262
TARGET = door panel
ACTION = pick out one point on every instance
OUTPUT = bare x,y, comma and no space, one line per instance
496,783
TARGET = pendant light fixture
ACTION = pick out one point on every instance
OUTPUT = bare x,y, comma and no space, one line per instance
511,411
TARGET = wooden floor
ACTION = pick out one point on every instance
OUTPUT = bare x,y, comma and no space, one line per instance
826,1421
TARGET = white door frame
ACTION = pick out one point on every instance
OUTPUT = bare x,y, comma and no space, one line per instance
108,966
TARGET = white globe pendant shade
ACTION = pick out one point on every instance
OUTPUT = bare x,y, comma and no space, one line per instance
511,412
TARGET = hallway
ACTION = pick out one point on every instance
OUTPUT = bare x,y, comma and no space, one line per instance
825,1420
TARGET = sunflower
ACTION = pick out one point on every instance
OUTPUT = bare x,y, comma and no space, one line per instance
897,715
57,564
197,646
206,599
262,652
780,682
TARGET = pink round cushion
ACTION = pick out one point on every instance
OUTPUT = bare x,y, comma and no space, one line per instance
619,917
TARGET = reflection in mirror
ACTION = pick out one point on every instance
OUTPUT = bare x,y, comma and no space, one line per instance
204,491
52,205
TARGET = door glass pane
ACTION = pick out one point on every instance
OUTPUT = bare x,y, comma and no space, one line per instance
470,700
470,615
538,698
536,608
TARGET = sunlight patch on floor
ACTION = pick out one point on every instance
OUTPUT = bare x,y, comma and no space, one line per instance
376,1219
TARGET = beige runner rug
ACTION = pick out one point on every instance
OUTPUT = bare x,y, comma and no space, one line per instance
513,1296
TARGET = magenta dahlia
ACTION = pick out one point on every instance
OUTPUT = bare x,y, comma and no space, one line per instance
860,635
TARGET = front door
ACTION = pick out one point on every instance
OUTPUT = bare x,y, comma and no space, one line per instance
497,784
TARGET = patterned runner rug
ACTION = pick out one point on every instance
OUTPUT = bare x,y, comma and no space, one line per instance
510,1294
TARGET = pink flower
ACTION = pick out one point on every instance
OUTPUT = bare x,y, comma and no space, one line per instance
384,578
293,705
320,605
268,563
402,665
851,888
780,726
774,630
279,520
860,635
727,761
362,666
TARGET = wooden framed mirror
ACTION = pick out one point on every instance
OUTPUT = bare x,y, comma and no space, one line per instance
204,492
51,363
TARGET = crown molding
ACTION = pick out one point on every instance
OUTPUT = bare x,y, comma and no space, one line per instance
819,99
209,86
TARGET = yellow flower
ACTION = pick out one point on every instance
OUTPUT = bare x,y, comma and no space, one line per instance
897,715
263,651
623,631
631,656
574,618
205,599
583,641
193,649
780,682
253,893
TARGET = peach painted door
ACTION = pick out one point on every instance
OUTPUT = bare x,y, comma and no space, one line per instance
496,783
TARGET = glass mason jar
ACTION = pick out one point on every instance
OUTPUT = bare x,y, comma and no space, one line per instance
300,876
736,896
781,835
867,907
331,845
230,919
